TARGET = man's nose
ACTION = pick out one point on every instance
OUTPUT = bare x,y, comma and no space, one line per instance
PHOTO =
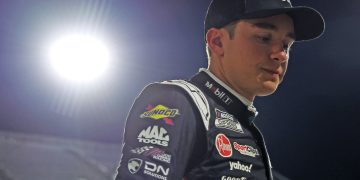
279,54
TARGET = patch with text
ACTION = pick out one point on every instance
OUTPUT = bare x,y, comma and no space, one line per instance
232,178
154,152
240,166
160,112
154,135
246,150
227,121
223,145
218,93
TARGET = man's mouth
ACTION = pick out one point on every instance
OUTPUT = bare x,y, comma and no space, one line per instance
272,71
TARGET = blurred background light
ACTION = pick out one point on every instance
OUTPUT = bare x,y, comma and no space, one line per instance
79,57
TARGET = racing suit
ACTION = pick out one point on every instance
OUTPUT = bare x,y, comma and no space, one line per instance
197,129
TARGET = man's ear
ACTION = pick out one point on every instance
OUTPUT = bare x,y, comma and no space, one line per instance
214,41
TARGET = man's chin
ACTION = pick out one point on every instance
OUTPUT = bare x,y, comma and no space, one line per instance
268,88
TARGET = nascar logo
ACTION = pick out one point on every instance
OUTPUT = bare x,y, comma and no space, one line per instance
160,112
227,121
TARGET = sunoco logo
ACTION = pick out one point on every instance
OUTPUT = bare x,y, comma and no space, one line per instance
154,135
242,167
246,150
134,165
226,121
220,94
223,145
160,112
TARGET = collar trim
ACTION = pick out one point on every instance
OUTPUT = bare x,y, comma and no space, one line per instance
237,95
245,101
221,94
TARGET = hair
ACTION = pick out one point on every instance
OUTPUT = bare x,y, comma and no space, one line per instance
230,28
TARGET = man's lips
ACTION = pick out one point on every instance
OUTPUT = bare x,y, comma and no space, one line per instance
272,71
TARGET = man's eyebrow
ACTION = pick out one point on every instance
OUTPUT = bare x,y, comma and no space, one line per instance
272,27
265,25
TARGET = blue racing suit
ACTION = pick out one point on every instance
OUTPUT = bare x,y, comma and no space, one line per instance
194,129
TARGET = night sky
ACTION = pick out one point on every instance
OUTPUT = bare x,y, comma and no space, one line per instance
310,124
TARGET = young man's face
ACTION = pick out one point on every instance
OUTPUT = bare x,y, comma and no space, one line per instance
255,60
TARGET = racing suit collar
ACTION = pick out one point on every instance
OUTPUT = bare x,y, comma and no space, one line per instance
237,95
224,95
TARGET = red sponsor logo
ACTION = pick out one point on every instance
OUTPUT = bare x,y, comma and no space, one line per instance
246,149
223,145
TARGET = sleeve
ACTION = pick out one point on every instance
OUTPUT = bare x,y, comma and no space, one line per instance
159,135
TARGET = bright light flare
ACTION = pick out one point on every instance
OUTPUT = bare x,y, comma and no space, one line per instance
79,58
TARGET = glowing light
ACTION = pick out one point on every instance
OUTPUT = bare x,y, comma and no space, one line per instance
79,58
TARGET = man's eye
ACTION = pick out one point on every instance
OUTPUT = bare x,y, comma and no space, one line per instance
264,39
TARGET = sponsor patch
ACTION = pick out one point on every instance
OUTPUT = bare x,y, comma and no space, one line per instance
246,149
162,157
227,121
140,150
160,112
154,152
218,93
134,165
156,171
239,166
223,145
154,135
232,178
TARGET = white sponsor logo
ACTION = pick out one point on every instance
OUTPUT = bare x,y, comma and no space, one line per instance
222,95
246,149
155,153
237,165
134,165
156,171
140,150
163,157
226,120
232,178
154,135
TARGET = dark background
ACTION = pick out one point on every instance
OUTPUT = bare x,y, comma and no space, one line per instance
310,124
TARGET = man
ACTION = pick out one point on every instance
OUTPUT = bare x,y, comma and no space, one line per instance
203,128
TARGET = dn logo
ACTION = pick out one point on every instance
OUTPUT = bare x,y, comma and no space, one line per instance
152,167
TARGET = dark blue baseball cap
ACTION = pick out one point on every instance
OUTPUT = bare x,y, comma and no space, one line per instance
308,23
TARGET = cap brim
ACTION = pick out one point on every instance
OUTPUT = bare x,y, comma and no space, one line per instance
308,23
